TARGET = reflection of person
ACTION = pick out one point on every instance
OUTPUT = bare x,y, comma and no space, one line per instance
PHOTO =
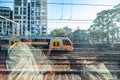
23,61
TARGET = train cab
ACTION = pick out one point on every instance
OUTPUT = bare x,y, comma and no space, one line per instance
6,43
67,44
61,44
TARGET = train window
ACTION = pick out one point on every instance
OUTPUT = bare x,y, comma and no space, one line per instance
55,44
58,44
66,42
12,42
4,41
36,40
16,41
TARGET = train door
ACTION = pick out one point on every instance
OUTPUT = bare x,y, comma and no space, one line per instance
55,44
13,41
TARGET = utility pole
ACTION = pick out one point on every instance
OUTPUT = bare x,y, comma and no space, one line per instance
108,35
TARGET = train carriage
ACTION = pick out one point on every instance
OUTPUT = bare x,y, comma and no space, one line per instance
46,43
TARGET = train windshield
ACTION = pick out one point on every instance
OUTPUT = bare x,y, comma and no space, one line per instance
66,42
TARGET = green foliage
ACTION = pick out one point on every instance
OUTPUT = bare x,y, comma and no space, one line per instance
68,32
58,33
80,36
104,27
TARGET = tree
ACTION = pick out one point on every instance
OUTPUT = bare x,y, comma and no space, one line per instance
104,25
68,32
80,36
58,33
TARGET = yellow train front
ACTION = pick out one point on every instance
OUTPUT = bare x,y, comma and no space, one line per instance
61,44
53,44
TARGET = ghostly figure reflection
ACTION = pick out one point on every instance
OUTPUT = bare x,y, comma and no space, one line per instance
25,61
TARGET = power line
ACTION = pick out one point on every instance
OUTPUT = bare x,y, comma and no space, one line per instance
52,3
61,19
81,4
72,19
71,22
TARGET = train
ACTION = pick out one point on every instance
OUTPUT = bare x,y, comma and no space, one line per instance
45,43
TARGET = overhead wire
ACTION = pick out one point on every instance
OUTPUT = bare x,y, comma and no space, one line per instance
51,3
71,11
70,22
72,4
69,3
62,11
72,19
80,4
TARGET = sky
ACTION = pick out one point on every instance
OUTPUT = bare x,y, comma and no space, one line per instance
73,16
76,12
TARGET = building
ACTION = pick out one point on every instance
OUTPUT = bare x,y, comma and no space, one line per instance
20,15
31,16
35,17
44,16
5,26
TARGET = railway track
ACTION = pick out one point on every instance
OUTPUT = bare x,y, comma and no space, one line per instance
57,76
72,66
89,56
